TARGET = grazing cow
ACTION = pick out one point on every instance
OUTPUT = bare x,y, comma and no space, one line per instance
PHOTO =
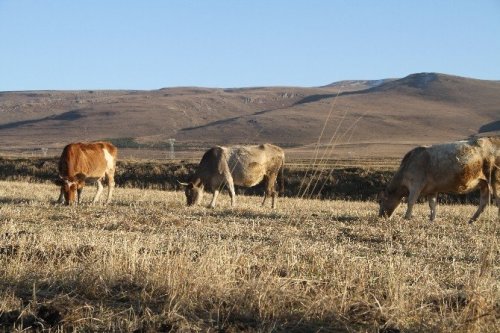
86,161
456,167
238,165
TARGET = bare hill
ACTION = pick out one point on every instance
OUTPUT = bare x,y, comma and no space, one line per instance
363,118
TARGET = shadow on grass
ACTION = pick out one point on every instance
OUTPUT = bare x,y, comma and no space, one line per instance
16,201
70,306
225,212
357,237
346,218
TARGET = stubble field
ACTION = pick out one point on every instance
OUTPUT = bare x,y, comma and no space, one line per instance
147,263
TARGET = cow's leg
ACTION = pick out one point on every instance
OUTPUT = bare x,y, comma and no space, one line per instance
61,199
412,199
272,190
496,192
214,198
266,185
273,200
111,187
483,199
79,194
99,191
432,205
232,193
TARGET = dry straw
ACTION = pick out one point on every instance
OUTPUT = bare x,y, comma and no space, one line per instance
148,263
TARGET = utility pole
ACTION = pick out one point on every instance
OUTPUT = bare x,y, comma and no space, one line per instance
172,151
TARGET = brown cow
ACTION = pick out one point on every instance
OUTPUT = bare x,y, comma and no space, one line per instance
238,165
85,161
456,167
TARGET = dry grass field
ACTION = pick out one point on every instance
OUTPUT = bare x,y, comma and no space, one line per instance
147,263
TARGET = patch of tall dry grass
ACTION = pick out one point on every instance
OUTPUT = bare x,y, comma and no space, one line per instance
148,263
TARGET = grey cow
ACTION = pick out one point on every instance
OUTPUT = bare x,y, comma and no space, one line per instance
236,165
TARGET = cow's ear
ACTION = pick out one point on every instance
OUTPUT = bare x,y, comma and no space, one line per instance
80,177
59,181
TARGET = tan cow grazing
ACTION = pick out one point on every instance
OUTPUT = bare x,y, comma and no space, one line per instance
237,165
456,167
85,161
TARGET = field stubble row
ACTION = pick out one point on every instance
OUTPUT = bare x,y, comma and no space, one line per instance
147,262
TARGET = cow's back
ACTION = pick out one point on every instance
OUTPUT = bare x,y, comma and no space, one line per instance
490,147
249,164
455,167
90,159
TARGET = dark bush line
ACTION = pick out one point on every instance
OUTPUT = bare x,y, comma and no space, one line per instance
342,183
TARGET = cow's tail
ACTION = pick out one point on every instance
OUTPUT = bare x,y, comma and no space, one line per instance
282,177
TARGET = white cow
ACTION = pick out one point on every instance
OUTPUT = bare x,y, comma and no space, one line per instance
456,167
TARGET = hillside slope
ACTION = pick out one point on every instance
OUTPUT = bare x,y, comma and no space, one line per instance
381,117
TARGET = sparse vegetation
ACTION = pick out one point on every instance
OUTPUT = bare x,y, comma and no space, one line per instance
336,181
124,142
148,263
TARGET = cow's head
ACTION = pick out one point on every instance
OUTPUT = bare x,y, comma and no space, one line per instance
194,192
388,203
70,186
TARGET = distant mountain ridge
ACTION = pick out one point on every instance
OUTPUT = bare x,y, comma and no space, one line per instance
366,116
352,85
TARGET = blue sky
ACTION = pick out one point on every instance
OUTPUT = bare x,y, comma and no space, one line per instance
146,44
